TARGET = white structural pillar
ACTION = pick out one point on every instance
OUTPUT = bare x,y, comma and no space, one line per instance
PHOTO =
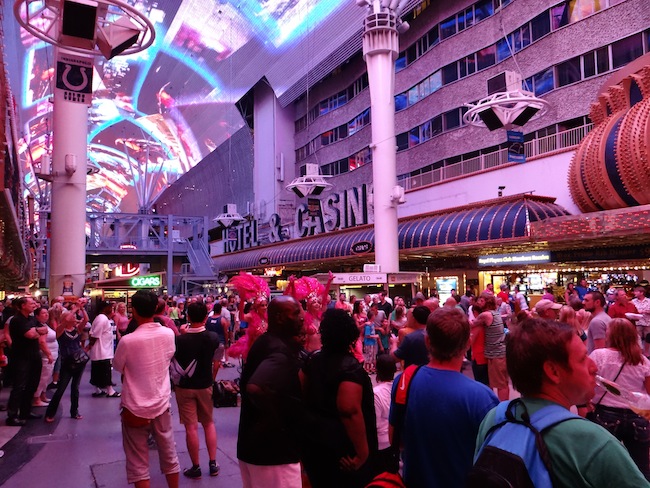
72,97
380,49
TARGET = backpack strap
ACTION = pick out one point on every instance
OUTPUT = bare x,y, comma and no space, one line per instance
401,397
538,423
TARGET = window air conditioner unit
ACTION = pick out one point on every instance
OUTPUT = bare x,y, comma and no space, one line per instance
503,82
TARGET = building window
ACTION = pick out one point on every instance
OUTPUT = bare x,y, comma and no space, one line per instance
448,27
568,72
400,63
486,57
503,51
541,25
402,141
543,82
483,9
414,136
452,119
450,73
602,60
560,15
589,64
400,102
626,50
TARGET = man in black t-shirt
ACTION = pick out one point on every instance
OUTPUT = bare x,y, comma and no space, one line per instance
26,360
195,354
268,439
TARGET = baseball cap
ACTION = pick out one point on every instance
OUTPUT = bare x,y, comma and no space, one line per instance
545,304
419,296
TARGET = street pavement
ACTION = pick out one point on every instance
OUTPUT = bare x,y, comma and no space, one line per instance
88,453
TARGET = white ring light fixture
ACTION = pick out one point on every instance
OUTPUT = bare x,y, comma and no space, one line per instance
43,19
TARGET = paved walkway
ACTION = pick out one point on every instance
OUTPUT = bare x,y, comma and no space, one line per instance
88,453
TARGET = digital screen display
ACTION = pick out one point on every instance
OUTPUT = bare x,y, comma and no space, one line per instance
157,113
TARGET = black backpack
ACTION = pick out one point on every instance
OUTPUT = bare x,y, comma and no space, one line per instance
514,454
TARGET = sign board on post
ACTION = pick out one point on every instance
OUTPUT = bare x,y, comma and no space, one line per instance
74,76
516,147
359,278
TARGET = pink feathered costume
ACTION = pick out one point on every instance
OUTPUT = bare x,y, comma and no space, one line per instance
254,288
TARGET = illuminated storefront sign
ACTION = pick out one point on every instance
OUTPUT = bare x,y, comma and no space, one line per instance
150,281
515,259
348,208
126,270
358,278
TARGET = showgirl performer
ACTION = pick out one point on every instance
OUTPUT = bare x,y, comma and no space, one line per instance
256,289
313,294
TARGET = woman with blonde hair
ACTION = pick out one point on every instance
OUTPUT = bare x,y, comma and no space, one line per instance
568,316
623,362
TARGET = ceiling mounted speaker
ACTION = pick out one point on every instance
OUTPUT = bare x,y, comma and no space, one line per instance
117,37
525,115
490,119
78,23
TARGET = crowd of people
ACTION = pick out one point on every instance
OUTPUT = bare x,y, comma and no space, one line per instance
320,404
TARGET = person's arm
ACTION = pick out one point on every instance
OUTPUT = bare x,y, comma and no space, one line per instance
7,333
119,359
226,331
35,332
348,404
42,344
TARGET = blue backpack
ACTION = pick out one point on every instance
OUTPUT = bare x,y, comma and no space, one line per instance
514,453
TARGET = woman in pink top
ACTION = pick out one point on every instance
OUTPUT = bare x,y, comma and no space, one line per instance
121,319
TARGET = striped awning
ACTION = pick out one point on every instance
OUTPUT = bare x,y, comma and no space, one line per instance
504,220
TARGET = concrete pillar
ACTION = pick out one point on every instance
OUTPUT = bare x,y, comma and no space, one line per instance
380,49
69,167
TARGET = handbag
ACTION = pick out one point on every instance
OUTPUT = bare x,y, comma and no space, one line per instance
79,357
591,415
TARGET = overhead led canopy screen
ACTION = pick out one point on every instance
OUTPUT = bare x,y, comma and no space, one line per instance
156,114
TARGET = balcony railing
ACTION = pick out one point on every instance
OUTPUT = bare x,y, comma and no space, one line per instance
565,140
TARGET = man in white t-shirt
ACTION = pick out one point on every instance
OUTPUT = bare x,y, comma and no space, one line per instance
101,351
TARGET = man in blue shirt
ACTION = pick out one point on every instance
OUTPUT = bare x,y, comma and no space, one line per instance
444,408
413,349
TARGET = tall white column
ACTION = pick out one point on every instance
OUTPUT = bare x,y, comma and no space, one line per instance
380,49
69,166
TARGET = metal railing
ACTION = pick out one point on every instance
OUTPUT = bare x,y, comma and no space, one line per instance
565,140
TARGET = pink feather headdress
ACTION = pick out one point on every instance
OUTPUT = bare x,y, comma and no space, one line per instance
250,287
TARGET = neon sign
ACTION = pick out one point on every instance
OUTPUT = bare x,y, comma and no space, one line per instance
151,281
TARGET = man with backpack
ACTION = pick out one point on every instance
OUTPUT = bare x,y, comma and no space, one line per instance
437,410
536,441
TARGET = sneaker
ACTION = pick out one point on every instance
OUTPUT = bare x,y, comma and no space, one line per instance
193,472
214,468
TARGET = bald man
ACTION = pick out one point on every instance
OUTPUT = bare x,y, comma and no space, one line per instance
268,440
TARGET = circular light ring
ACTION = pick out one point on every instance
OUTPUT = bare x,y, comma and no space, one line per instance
508,102
41,22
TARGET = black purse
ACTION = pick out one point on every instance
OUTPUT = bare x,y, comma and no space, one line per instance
591,415
79,357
